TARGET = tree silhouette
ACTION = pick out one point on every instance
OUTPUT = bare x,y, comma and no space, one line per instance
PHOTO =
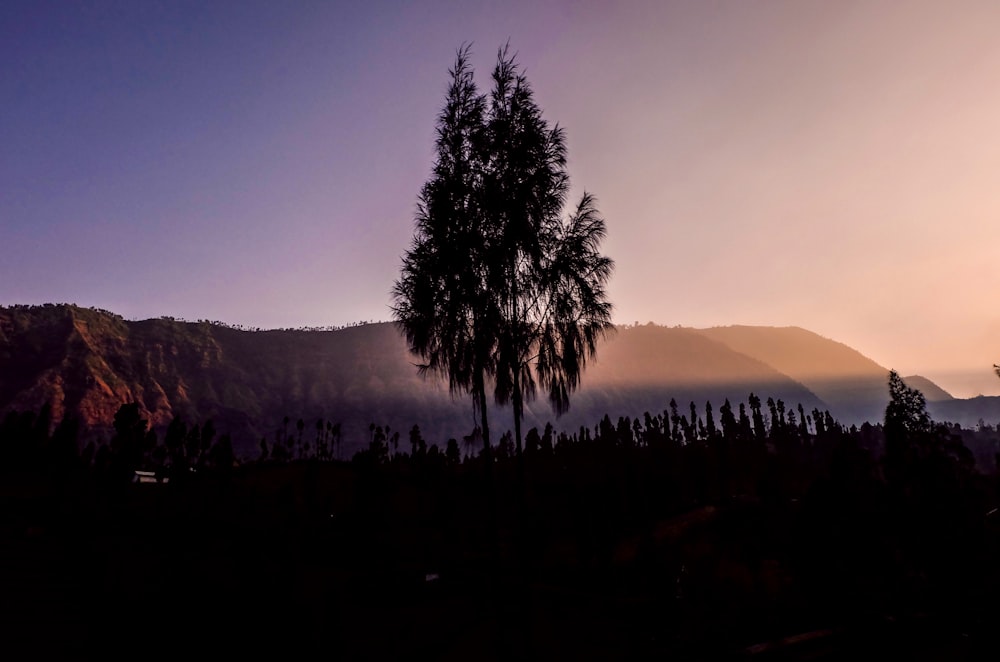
470,441
418,447
174,441
440,301
130,442
929,472
546,273
907,424
563,319
452,454
335,432
497,284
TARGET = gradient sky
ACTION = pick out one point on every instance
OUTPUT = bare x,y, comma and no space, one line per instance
830,165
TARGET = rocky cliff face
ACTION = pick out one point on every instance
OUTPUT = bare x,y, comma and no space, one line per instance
88,363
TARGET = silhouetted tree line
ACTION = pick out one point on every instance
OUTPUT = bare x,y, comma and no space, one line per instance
51,306
887,520
693,524
322,442
734,451
257,329
171,318
754,430
27,446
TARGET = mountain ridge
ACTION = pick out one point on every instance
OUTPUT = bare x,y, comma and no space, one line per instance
87,362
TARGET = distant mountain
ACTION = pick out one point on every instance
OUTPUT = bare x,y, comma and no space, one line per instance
88,362
852,385
932,392
640,369
967,412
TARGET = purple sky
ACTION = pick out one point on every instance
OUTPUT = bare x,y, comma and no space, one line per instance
830,165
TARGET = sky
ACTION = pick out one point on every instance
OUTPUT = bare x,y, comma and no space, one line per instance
828,165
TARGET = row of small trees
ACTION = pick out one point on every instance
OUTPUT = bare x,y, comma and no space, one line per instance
29,446
667,428
325,446
908,438
891,517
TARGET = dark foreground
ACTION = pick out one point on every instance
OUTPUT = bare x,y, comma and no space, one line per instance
370,561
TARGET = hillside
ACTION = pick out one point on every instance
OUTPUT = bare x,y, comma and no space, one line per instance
641,368
851,384
932,392
88,362
968,411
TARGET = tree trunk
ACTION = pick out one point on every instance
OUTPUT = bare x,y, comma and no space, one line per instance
479,396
